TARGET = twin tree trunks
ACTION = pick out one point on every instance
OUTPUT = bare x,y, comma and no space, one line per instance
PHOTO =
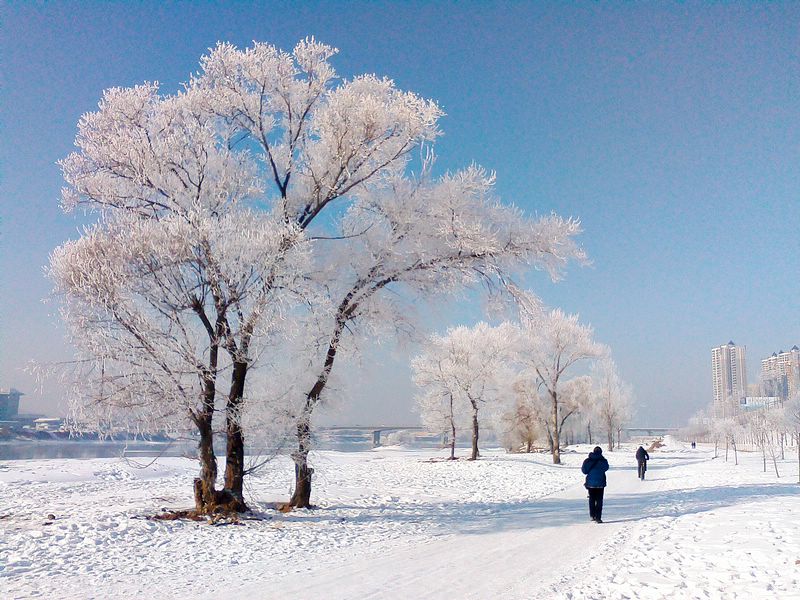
207,498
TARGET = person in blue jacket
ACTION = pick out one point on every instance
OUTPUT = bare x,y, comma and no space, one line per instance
595,467
641,459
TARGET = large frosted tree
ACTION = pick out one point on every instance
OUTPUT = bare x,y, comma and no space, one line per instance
161,173
411,238
275,141
261,127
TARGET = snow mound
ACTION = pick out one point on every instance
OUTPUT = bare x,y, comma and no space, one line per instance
672,444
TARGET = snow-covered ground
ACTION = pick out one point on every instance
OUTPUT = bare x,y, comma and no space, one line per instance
393,524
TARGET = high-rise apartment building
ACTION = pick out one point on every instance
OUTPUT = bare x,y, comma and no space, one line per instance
9,404
780,374
729,375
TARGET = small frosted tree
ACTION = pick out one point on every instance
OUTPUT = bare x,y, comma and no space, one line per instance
538,403
468,358
612,397
523,421
730,430
791,418
576,398
761,426
550,346
438,408
590,420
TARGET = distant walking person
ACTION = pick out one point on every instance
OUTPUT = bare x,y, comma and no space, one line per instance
642,457
595,467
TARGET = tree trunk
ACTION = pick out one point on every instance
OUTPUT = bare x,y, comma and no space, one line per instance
301,498
452,431
205,494
610,441
475,453
735,453
206,497
302,472
589,432
234,462
528,448
619,436
556,441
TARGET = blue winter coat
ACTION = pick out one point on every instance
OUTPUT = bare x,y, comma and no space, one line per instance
595,467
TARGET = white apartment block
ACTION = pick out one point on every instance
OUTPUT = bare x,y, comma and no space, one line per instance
729,376
780,374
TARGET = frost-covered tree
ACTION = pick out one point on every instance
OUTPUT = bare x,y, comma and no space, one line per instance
791,412
279,133
757,428
524,421
775,425
551,344
612,397
150,318
437,405
576,397
162,162
413,238
730,429
468,359
258,125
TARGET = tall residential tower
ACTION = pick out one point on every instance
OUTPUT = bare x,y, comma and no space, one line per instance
780,374
729,374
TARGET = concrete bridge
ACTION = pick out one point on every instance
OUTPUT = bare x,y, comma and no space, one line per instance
649,431
375,429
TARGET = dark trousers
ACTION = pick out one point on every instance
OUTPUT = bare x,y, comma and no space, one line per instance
642,468
596,503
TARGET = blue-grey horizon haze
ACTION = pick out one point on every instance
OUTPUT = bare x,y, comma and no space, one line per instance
671,130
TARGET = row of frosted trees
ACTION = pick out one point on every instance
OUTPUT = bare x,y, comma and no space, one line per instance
772,430
247,230
522,379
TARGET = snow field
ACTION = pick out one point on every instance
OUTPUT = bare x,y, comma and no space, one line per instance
369,502
392,523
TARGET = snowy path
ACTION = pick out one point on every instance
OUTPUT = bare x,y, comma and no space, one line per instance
550,549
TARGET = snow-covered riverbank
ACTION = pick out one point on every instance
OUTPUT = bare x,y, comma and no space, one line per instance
393,524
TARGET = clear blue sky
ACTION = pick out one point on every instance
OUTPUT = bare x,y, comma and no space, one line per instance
671,130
